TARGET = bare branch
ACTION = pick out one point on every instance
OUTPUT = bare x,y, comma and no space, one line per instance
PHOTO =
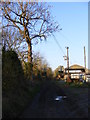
33,21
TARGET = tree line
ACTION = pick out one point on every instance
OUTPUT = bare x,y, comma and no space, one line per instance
24,24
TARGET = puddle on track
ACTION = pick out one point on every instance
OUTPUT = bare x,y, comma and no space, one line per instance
60,98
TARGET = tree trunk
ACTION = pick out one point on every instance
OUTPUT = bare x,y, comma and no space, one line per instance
30,52
30,60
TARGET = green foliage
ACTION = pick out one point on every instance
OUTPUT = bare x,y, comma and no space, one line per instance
18,90
27,70
12,72
56,73
49,73
41,70
15,89
79,84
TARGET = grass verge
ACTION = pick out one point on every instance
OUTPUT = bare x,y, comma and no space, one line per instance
15,101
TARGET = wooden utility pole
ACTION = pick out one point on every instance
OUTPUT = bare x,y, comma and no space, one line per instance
67,59
84,58
68,78
85,62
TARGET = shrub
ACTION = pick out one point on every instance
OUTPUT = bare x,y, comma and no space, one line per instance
12,72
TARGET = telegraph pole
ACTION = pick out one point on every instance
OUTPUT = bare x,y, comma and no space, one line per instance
67,60
68,78
84,58
85,62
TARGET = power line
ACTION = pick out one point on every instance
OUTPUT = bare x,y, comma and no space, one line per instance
58,44
61,47
65,37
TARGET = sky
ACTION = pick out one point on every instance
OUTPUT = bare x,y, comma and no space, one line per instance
73,19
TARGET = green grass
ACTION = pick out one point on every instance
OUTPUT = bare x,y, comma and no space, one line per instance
79,85
73,85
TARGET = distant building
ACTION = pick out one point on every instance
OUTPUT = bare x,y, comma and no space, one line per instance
76,72
61,72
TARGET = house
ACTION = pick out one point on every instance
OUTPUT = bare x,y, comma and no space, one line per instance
76,72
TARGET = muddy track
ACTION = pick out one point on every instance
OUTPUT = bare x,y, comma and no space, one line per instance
45,106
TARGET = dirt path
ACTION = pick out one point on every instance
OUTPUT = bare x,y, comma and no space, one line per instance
44,105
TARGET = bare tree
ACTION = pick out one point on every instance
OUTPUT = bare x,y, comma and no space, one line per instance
32,19
11,39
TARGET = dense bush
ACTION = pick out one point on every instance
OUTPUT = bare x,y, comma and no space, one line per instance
15,88
12,72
